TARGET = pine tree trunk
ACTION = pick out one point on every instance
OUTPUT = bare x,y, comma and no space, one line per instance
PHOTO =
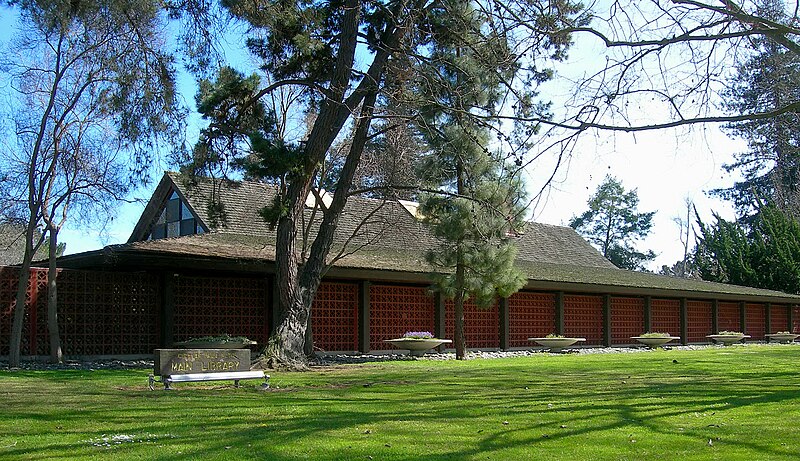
286,348
52,302
458,312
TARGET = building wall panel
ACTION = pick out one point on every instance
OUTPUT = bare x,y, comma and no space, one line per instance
481,326
583,317
334,317
530,315
779,318
100,313
729,317
665,316
755,321
211,306
699,320
395,310
627,319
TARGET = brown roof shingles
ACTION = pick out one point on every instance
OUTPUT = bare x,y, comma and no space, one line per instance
393,240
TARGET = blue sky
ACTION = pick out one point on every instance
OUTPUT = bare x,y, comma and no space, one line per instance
665,167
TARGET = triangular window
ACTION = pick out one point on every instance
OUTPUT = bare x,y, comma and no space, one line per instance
175,219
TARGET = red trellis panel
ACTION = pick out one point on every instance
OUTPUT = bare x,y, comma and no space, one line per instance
795,318
699,319
395,310
779,318
334,317
210,306
755,321
108,313
729,317
530,315
34,327
627,319
665,316
8,290
481,326
100,313
583,317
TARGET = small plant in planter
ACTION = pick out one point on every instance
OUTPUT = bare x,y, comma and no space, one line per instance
727,337
556,342
783,336
655,339
417,342
223,341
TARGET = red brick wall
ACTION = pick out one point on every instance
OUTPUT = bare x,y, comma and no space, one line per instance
627,319
395,310
699,319
530,315
583,317
665,316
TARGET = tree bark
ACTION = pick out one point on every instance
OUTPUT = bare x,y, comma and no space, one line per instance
56,355
15,343
458,312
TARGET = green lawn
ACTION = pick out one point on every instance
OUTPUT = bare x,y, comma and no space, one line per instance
735,403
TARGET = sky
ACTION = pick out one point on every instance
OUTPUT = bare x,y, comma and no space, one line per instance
665,167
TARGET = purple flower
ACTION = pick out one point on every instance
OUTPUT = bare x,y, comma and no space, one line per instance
418,334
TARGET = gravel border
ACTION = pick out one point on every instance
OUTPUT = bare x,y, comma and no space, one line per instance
340,359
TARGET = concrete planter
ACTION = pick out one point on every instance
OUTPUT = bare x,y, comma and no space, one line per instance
557,344
655,341
728,340
783,337
417,346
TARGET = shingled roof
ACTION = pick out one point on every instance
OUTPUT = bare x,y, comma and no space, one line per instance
391,245
377,225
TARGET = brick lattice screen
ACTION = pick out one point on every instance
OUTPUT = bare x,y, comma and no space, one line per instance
795,318
699,320
108,313
665,316
334,317
395,310
100,313
729,317
779,318
530,315
481,326
627,319
755,321
210,306
583,317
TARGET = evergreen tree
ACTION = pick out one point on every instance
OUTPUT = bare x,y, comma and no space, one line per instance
314,46
768,79
613,225
480,205
93,100
761,254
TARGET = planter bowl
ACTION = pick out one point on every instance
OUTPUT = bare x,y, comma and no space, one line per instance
783,337
557,344
655,341
727,340
417,346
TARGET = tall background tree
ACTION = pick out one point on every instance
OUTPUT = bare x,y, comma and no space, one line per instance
770,167
314,46
485,198
614,225
93,81
762,253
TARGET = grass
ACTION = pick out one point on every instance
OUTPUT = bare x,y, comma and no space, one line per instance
733,403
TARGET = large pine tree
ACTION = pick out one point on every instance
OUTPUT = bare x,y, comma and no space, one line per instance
340,54
770,167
